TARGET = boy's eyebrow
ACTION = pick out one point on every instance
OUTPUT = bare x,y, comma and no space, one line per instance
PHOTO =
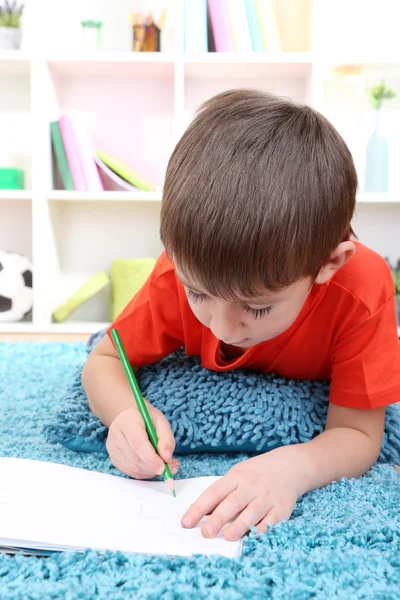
244,300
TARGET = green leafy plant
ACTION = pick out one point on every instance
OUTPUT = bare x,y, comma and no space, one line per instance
10,13
379,93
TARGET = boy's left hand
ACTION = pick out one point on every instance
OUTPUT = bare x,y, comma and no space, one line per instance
259,491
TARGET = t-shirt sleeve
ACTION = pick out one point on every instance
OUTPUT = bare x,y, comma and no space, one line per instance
366,362
150,326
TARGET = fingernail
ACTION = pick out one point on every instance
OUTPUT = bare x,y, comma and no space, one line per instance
209,530
168,454
161,470
232,534
186,521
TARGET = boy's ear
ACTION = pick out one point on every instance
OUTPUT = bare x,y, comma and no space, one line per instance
338,259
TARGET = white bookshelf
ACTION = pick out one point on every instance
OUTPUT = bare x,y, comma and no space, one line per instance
137,106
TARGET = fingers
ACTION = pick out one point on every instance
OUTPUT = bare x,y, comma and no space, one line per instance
207,502
138,440
259,510
130,449
237,505
272,518
122,463
126,460
166,440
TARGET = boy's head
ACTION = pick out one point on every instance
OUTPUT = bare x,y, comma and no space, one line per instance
257,204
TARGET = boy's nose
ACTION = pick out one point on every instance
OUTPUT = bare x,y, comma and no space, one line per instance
226,326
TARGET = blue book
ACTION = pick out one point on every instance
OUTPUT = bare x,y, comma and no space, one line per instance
254,26
195,26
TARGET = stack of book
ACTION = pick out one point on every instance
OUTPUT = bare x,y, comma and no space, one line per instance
82,168
231,26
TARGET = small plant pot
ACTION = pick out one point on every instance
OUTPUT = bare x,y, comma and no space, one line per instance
10,38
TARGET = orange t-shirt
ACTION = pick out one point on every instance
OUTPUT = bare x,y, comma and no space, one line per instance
346,332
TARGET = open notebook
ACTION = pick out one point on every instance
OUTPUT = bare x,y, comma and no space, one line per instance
47,506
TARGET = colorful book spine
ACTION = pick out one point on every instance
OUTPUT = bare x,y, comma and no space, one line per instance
239,25
254,26
61,157
195,26
268,25
86,157
126,172
72,152
223,37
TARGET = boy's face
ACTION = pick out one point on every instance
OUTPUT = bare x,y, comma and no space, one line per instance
246,323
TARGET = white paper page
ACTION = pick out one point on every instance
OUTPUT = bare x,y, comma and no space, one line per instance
50,506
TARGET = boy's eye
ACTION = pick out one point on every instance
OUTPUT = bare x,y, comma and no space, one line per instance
257,313
195,296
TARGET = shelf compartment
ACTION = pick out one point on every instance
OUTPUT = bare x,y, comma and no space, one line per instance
14,63
247,66
113,64
85,237
16,225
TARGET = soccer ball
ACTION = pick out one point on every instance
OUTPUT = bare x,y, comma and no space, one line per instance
16,294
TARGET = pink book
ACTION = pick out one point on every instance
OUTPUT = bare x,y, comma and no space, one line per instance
72,152
87,158
223,36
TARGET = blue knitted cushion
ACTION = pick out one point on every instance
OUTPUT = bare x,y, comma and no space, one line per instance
234,411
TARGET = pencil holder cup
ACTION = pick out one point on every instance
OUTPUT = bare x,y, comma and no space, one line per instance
91,34
146,38
127,277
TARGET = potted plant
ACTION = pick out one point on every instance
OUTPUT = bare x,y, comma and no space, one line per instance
10,21
377,149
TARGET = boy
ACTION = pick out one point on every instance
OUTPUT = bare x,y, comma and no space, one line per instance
260,272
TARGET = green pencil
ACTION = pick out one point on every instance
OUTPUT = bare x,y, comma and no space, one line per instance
151,432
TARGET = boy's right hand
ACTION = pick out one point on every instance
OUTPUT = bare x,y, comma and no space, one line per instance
130,449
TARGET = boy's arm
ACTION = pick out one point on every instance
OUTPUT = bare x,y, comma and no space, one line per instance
105,383
264,489
348,447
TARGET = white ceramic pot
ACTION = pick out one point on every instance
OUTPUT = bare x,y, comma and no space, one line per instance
10,38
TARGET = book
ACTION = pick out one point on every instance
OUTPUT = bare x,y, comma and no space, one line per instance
126,172
89,289
221,26
195,26
86,156
239,25
60,156
112,181
78,509
210,33
268,24
254,26
72,152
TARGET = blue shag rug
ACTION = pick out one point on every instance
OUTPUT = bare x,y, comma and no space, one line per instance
342,541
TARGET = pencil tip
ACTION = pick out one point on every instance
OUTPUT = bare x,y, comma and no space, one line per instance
170,484
174,493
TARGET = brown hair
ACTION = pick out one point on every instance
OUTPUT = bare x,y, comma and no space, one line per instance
258,191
